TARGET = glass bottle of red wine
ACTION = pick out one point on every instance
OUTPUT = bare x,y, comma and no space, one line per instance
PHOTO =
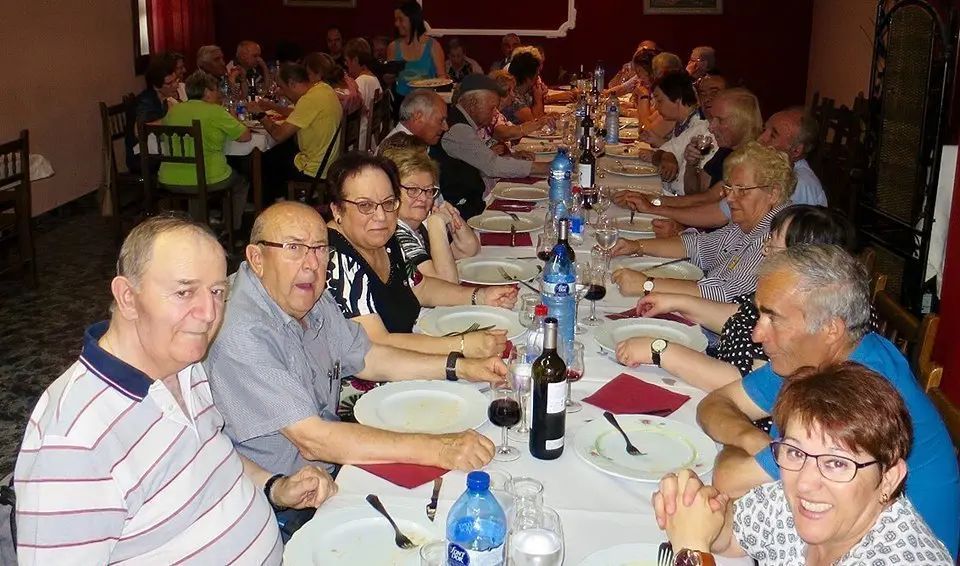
586,127
587,166
563,238
549,398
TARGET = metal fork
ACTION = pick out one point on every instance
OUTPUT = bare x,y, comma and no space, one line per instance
507,277
469,329
665,554
400,538
631,449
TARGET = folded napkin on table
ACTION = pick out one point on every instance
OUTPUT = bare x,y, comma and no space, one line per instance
491,239
631,396
632,313
524,180
405,475
510,205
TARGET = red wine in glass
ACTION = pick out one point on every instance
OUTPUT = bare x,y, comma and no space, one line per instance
504,412
595,292
589,198
705,145
544,255
574,375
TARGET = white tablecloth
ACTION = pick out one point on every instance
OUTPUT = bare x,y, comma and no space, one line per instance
259,140
598,511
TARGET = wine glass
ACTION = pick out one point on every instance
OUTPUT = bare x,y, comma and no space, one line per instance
504,412
575,369
521,374
581,290
703,143
537,540
527,305
595,278
546,240
604,200
607,234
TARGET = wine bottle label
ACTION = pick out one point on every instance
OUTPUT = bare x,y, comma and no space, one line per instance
459,556
554,444
556,289
556,397
586,176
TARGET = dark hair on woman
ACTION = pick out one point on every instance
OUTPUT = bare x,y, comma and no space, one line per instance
810,224
644,58
288,52
293,73
678,86
324,66
412,10
524,66
351,164
159,69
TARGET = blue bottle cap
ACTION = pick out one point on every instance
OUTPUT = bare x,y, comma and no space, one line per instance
478,481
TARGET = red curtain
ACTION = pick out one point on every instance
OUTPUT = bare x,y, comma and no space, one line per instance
180,25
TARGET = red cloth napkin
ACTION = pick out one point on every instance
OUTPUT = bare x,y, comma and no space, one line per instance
510,205
405,475
489,239
632,313
631,396
525,180
507,350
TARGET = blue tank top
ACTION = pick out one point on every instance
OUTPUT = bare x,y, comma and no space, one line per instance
422,68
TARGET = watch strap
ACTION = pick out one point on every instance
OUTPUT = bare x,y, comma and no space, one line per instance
451,370
269,486
687,557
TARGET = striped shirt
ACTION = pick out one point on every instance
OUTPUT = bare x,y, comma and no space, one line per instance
729,258
112,471
414,243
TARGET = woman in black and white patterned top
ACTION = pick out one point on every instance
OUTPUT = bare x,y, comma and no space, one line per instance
737,354
840,499
432,236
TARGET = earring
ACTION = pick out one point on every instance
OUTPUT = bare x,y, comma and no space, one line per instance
339,220
884,497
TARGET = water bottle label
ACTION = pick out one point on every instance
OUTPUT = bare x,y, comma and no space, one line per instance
576,226
459,556
558,290
556,399
560,175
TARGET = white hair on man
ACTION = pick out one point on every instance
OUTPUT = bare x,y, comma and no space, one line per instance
421,100
207,53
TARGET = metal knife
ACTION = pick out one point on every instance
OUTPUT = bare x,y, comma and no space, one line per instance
513,235
432,506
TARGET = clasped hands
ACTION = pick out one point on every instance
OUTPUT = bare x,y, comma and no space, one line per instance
691,513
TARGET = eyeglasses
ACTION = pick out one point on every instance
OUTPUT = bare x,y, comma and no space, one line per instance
296,251
415,192
730,190
369,206
837,469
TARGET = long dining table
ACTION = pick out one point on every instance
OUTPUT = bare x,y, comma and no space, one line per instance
597,510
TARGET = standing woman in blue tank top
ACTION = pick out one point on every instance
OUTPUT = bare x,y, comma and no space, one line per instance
423,55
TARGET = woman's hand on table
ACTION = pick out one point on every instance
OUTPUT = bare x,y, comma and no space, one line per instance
309,487
630,281
668,167
626,247
635,351
634,200
656,304
484,343
504,296
666,228
465,451
694,519
491,369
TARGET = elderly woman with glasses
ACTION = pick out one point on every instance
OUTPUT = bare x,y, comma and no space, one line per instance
432,236
842,457
371,281
758,183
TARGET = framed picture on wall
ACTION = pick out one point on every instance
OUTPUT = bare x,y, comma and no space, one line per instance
682,7
321,3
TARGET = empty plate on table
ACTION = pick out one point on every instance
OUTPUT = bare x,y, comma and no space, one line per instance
669,446
633,554
495,271
630,134
433,407
430,83
683,270
629,170
640,224
625,151
529,193
613,332
628,121
360,535
502,223
445,320
539,147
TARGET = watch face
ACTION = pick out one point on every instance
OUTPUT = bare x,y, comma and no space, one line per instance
648,285
656,202
659,345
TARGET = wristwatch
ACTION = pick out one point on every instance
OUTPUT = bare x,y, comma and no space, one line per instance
648,286
658,347
452,358
656,201
687,557
267,487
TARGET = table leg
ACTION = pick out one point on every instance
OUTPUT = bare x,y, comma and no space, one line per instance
257,180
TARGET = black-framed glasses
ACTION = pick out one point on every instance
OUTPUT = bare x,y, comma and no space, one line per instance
296,251
731,190
369,206
415,192
839,469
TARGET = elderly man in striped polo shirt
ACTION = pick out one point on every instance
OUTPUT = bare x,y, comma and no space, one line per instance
124,460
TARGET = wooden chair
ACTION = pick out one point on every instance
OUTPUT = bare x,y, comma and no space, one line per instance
878,281
949,412
16,217
116,122
172,146
350,132
913,337
380,123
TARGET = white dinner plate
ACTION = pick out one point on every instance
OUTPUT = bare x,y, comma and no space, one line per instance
628,121
490,271
539,147
631,170
528,193
624,151
500,222
444,320
544,135
613,332
683,270
431,407
642,225
633,554
630,134
360,535
669,446
430,83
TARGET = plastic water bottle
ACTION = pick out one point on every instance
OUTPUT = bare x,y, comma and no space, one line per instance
561,177
612,123
535,334
577,218
559,290
476,526
241,109
598,75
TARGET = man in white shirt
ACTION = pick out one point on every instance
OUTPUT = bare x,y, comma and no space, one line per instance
423,114
359,61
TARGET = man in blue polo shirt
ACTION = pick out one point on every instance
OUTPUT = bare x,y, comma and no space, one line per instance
814,304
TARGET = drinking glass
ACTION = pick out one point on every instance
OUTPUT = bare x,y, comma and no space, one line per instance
607,234
504,412
581,290
527,495
704,144
434,553
521,374
546,240
527,305
500,487
575,369
537,540
594,279
604,199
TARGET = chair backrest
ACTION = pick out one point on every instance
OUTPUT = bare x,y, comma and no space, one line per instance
913,337
15,162
350,132
115,123
171,144
379,119
949,412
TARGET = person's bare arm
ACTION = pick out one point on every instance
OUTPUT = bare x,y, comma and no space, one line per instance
405,351
727,416
726,544
706,215
736,472
630,283
439,60
695,368
706,313
658,247
442,263
279,132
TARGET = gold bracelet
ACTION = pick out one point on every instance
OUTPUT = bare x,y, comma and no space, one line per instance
639,253
462,344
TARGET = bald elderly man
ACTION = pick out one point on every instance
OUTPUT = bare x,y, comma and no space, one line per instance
276,364
251,64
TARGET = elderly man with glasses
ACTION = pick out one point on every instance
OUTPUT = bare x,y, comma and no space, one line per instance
814,303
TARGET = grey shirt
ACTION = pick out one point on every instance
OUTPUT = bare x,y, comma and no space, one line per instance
462,142
267,371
